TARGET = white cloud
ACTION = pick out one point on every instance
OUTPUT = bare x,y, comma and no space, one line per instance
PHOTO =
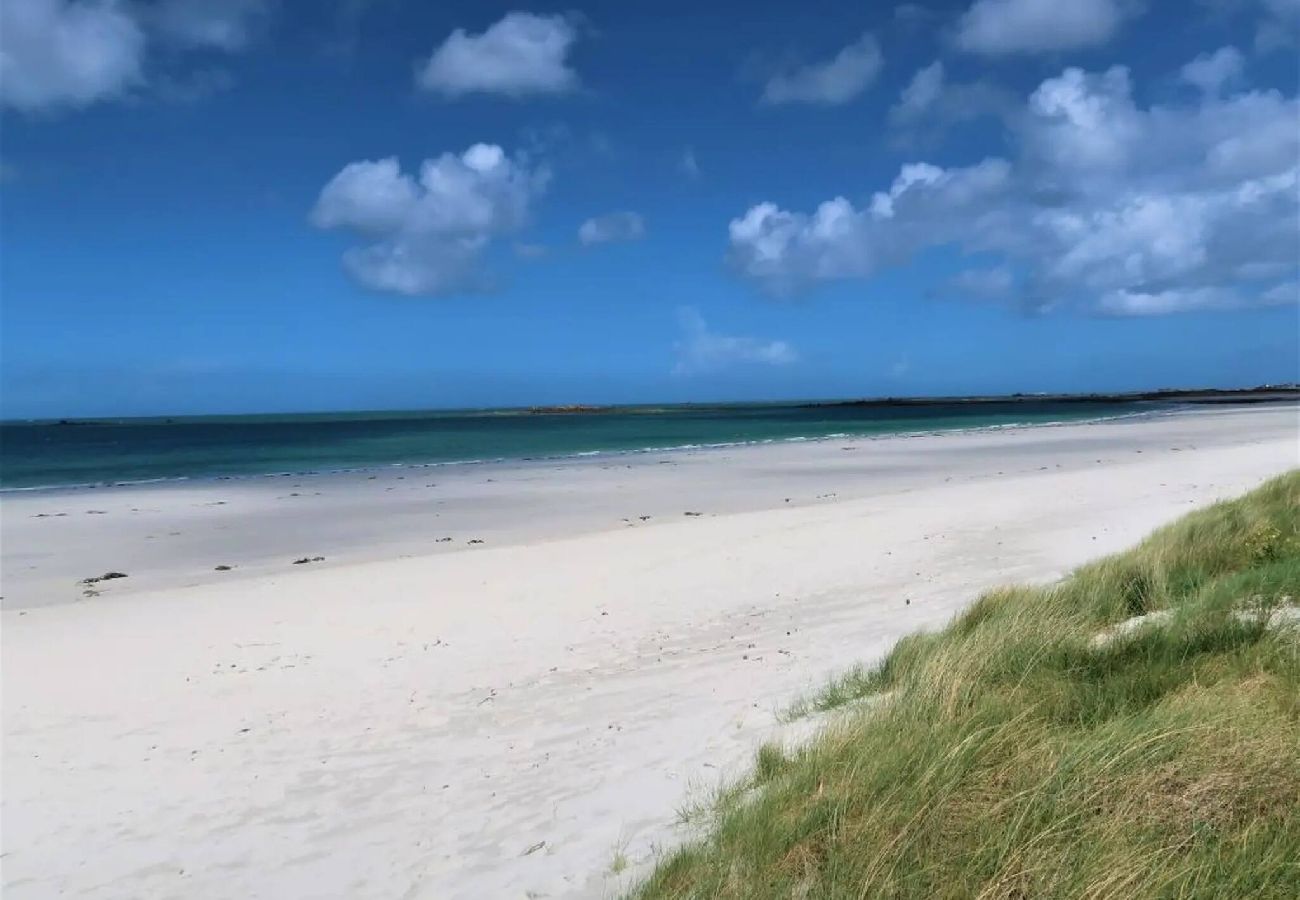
688,164
996,283
700,350
1213,72
832,82
520,55
615,226
221,24
1105,205
525,250
1037,26
72,53
1282,294
428,235
786,250
912,14
66,54
1162,302
930,104
1279,28
921,93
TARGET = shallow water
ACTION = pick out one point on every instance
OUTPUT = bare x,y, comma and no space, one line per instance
49,454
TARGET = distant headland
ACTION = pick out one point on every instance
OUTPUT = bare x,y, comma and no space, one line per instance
1266,393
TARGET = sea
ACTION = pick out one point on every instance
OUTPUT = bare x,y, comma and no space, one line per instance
65,453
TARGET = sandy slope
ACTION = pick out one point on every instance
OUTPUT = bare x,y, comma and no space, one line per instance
412,718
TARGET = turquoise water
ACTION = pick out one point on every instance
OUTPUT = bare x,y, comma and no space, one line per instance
48,454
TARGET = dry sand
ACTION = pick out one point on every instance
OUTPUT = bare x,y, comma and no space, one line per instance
423,718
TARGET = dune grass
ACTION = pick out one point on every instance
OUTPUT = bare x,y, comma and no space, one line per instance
1017,755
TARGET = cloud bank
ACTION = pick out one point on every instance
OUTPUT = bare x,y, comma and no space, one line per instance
1105,205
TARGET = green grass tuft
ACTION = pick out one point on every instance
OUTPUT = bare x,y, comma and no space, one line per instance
1021,757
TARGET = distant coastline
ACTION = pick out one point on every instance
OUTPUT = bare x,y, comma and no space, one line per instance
66,453
1270,393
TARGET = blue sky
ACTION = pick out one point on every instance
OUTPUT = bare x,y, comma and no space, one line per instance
249,205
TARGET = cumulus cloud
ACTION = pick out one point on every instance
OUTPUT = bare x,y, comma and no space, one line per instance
1037,26
832,82
1104,205
1213,72
615,226
701,351
522,54
71,53
427,236
786,250
55,53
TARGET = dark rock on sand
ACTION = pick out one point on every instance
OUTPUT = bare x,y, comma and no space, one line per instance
107,576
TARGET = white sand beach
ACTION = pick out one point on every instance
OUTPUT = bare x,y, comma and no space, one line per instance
427,718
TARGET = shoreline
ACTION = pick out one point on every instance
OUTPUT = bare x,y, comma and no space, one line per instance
175,533
444,720
1188,408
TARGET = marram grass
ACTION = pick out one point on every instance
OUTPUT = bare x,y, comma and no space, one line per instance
1016,755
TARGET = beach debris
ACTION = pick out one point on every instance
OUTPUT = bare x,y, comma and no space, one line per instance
107,576
644,518
534,848
222,568
474,541
308,559
443,540
691,513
